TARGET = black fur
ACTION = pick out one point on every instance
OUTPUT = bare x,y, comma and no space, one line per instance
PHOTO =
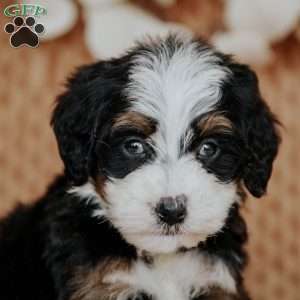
85,111
254,125
42,245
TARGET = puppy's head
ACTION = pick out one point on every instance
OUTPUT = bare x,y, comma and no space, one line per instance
163,138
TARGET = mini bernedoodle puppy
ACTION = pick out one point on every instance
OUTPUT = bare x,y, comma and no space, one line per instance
159,147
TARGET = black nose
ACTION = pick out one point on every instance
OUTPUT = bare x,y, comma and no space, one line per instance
172,210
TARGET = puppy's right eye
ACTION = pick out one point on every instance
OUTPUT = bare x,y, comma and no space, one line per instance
134,148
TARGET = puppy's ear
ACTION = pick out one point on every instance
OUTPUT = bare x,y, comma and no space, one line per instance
258,126
262,144
78,114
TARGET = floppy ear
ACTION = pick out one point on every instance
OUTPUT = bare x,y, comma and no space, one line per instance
79,113
258,130
262,144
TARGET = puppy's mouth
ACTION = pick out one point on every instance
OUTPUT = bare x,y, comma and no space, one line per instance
166,231
165,241
174,230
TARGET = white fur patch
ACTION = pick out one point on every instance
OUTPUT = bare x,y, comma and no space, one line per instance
175,88
176,276
133,199
88,193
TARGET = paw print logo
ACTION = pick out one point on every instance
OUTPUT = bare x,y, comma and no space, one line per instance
24,32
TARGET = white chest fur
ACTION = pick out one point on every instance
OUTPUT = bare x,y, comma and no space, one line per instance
175,276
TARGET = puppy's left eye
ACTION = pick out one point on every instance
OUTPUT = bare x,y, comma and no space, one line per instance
134,148
208,149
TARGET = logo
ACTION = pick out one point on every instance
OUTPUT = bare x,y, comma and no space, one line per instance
15,10
24,30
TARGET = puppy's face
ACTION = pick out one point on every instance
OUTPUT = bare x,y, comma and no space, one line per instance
165,135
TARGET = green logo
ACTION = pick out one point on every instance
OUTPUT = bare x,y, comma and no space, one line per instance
16,10
24,29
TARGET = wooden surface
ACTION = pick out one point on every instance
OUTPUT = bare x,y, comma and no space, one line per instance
31,78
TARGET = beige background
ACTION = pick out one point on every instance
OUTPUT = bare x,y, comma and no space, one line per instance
31,78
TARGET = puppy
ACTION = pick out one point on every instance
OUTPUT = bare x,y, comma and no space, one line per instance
159,146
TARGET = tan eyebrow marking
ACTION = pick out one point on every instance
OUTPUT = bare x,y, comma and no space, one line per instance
215,122
135,120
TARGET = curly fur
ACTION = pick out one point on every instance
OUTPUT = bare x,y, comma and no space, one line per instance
80,241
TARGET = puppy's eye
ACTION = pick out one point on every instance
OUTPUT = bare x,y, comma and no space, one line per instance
134,148
208,149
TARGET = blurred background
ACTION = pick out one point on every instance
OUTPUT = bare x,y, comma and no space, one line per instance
263,33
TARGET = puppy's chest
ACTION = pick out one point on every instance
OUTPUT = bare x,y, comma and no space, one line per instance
181,276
